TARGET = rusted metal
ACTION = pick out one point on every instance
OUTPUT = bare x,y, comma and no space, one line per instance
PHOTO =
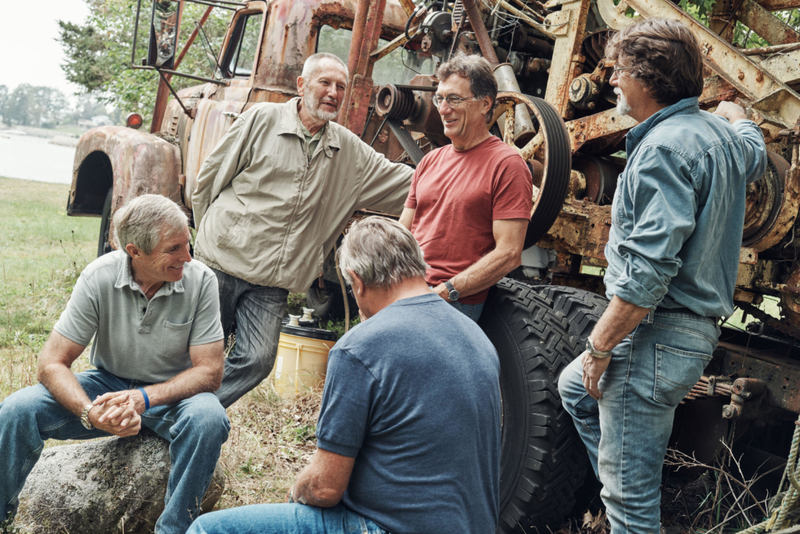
569,26
476,21
139,163
779,5
783,199
767,50
771,28
581,228
780,375
607,125
774,99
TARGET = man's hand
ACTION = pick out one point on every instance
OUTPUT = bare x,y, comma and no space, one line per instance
732,112
118,402
127,423
593,369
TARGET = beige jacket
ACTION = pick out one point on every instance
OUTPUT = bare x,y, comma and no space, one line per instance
267,215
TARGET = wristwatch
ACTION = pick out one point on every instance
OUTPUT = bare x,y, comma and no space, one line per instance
453,293
593,352
85,417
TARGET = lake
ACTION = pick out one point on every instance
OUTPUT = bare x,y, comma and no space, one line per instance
34,158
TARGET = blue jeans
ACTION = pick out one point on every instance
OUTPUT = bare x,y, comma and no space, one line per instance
195,428
284,519
257,312
473,311
626,432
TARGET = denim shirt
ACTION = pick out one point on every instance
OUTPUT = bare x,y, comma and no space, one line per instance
678,212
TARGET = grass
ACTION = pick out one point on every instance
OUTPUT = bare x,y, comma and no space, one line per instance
43,254
44,251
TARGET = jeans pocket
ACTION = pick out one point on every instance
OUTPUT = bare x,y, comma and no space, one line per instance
677,371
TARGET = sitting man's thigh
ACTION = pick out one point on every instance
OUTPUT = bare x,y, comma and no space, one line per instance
281,519
200,414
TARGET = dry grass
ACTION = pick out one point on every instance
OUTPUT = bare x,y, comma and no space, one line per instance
271,440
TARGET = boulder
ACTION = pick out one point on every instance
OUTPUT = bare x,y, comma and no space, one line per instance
102,487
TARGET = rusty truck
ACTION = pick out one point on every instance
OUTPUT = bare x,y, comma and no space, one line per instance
555,105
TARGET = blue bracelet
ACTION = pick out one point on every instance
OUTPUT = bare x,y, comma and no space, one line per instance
146,398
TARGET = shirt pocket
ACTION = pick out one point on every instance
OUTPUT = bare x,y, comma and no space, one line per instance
677,371
175,341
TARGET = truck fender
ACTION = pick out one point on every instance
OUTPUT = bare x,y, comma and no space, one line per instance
129,162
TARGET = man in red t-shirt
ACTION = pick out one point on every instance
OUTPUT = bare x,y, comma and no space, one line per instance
470,202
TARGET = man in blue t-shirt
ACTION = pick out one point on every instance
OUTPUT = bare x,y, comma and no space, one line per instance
409,429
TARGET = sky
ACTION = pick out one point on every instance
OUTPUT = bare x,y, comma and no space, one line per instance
30,52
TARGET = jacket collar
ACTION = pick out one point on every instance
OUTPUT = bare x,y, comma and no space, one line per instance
637,133
290,124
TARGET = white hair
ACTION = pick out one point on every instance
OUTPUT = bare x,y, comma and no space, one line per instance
314,63
381,251
147,219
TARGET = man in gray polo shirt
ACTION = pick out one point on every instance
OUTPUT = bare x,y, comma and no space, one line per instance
158,352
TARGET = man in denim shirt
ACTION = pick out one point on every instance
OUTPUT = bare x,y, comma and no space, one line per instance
673,256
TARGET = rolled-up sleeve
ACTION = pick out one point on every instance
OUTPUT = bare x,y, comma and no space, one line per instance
753,149
662,205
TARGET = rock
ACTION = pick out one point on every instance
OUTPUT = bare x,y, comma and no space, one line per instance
102,487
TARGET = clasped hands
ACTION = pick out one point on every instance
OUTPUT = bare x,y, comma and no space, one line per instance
118,412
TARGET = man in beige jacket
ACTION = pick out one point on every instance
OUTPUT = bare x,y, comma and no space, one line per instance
270,202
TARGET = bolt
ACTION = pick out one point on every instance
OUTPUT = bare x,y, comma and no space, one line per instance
741,75
731,411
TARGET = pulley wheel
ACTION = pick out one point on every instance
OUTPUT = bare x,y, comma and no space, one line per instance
549,149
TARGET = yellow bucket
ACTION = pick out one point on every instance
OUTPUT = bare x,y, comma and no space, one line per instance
302,359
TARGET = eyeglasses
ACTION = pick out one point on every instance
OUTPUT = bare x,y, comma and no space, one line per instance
452,100
618,69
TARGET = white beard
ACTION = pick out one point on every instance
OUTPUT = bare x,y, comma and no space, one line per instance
312,106
623,108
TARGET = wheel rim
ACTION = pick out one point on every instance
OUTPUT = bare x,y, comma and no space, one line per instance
549,153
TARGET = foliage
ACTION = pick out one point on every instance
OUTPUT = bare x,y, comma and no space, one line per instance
30,105
83,48
99,52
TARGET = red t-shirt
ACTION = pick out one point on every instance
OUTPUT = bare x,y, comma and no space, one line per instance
457,195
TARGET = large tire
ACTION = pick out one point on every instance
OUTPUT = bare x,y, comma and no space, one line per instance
582,309
542,459
103,245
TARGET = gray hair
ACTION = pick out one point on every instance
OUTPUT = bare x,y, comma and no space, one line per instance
381,251
477,70
147,219
314,63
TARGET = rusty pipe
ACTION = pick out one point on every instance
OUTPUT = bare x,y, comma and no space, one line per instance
484,41
506,79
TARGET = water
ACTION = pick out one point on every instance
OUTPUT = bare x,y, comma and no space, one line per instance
35,158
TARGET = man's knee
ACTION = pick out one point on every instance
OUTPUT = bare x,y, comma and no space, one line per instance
22,404
570,382
204,417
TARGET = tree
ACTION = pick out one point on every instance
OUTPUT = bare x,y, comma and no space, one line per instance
3,96
31,105
99,53
84,49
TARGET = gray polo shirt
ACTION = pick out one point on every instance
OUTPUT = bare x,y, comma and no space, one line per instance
136,339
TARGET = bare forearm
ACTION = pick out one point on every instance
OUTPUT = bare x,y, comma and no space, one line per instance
184,385
308,489
619,320
486,272
64,387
